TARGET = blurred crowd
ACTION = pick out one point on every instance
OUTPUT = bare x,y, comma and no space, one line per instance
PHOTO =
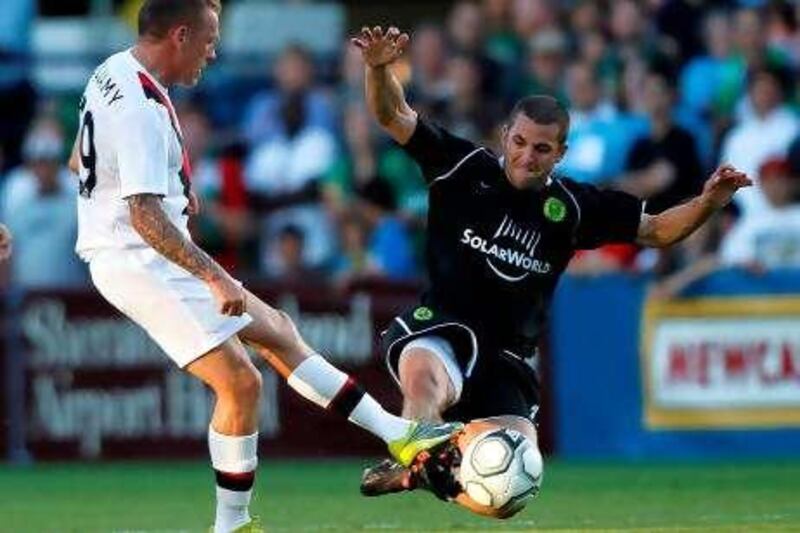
299,185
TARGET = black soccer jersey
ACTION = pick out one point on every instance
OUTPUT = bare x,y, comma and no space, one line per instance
494,253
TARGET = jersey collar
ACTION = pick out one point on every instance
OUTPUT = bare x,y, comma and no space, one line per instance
139,67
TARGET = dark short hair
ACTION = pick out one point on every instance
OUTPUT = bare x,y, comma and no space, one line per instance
543,109
156,17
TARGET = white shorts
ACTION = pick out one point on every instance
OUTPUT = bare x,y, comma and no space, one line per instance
175,308
443,351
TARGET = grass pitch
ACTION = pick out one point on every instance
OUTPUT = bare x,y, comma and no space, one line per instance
323,496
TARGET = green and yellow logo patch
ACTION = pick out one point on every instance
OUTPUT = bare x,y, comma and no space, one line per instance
423,313
555,210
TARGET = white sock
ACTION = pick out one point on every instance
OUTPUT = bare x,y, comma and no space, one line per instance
322,383
234,459
371,415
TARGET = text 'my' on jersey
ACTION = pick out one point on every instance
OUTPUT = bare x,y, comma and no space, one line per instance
495,253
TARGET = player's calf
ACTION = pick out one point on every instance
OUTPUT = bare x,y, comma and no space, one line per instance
427,388
273,334
233,432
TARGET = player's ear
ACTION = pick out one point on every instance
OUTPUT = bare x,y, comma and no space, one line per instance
179,34
562,150
504,134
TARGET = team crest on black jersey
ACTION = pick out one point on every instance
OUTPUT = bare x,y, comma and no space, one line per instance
510,252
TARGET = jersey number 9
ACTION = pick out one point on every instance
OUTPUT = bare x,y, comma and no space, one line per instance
88,155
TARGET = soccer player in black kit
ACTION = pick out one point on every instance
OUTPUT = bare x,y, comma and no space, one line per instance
501,230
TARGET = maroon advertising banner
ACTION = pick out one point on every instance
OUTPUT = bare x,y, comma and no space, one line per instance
84,382
95,386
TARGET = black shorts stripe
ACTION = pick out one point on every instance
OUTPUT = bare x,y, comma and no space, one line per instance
347,398
236,481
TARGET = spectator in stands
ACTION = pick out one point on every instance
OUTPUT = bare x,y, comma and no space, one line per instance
37,202
678,23
545,65
351,261
630,32
596,137
351,78
770,238
362,158
502,45
531,17
389,248
755,54
290,266
466,32
585,17
709,83
223,225
763,134
663,166
17,95
782,29
465,110
293,72
593,48
428,65
282,176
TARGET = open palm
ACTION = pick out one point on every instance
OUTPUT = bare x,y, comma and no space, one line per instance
379,48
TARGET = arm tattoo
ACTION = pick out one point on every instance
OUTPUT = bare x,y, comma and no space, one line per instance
150,221
384,93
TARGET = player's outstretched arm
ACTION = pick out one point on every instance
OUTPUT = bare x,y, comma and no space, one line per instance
384,94
679,222
151,222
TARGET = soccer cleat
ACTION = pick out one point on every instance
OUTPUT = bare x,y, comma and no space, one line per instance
432,470
253,526
421,437
387,477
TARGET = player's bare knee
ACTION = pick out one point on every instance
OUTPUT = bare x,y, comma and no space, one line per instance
421,377
246,385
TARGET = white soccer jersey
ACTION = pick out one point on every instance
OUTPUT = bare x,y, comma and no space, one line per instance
130,143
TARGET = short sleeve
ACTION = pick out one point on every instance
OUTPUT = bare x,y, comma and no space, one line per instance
604,216
141,142
437,151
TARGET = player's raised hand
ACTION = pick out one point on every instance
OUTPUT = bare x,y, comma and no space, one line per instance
723,184
230,295
5,243
378,47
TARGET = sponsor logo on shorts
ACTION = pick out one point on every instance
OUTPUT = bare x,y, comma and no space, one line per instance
423,313
554,210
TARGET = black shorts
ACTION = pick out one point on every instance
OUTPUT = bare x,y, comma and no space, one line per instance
497,381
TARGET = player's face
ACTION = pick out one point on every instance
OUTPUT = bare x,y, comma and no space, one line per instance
531,151
198,48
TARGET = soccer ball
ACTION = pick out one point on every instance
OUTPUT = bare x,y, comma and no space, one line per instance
502,469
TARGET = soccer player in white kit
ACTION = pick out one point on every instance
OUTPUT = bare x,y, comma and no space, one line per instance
135,199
